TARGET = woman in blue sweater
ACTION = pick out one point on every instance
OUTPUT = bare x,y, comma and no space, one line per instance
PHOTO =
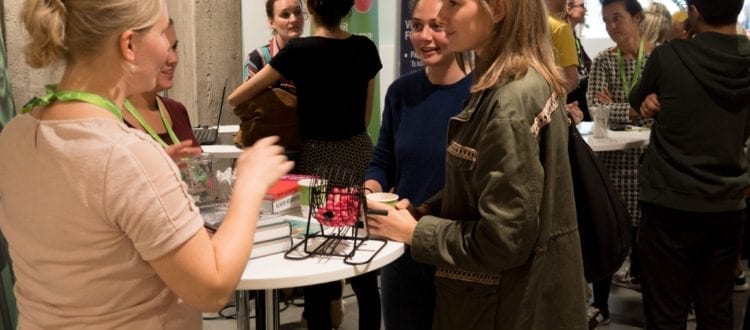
410,154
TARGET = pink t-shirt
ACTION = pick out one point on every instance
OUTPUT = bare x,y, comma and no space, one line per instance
84,204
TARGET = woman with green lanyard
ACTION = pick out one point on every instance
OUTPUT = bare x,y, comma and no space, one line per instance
100,228
613,74
164,119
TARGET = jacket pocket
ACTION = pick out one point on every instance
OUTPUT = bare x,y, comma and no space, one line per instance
465,305
461,157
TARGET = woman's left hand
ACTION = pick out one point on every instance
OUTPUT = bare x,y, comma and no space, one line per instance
633,115
574,112
604,96
181,150
398,225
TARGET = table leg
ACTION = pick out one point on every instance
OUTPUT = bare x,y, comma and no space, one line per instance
272,312
261,308
267,310
242,298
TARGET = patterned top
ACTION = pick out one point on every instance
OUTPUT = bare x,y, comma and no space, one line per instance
621,165
259,57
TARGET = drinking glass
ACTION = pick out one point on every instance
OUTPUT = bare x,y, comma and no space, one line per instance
601,120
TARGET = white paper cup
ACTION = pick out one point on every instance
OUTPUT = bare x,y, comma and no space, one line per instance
383,197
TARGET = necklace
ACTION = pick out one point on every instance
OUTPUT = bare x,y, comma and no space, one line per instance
628,85
54,95
163,113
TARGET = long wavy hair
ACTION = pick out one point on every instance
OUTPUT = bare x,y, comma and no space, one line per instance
519,41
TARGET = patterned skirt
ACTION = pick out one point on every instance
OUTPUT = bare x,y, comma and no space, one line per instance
622,167
353,154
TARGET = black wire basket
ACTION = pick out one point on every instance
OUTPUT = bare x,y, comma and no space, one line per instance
338,205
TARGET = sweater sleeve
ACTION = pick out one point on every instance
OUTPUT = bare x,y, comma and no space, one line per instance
648,83
382,167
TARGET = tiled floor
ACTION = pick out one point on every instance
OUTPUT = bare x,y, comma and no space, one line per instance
625,308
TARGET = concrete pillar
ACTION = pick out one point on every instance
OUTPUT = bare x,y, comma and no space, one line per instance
210,51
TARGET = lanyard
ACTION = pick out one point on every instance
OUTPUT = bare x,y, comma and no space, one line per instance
53,94
138,117
628,85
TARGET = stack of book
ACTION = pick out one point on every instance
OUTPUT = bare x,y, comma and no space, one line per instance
273,234
280,197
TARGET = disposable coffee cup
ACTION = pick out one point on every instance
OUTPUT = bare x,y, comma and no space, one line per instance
304,187
384,197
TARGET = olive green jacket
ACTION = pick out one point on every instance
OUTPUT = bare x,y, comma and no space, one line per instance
507,208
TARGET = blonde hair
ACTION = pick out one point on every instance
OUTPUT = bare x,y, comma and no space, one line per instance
520,40
61,30
656,28
660,9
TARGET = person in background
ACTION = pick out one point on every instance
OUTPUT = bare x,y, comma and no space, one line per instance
286,18
575,14
694,175
164,119
563,42
680,25
656,28
613,74
659,9
503,231
118,242
413,133
334,72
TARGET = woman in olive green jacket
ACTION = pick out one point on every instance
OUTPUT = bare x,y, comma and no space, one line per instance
503,231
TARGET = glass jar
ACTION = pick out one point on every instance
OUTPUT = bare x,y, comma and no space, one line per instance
198,174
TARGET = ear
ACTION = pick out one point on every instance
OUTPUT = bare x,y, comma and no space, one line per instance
127,47
694,14
497,10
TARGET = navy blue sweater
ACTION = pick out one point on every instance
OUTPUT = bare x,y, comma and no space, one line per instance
410,153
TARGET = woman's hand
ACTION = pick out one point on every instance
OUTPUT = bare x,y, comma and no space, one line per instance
263,163
604,96
633,115
650,106
398,225
574,112
183,149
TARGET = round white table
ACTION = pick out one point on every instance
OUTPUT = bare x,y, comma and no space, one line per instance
632,137
270,273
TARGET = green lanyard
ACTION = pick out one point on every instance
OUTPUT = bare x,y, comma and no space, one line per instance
54,95
628,85
137,115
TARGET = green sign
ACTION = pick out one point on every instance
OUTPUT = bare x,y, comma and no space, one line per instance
364,21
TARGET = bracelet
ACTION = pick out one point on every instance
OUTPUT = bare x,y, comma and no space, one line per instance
368,189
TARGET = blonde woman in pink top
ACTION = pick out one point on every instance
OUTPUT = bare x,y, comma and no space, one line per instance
101,231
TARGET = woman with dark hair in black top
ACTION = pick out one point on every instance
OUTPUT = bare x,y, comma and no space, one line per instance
334,72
